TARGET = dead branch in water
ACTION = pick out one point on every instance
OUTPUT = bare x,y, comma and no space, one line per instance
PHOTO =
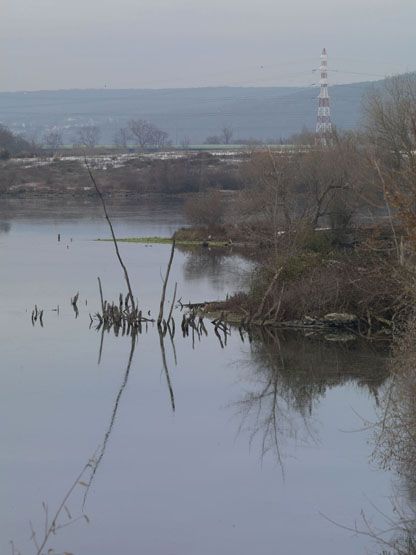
74,303
120,316
37,314
165,282
101,295
107,217
193,306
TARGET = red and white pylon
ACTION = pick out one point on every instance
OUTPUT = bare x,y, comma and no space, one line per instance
323,121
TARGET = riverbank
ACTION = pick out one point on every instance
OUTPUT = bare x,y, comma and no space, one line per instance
169,241
355,290
120,174
313,282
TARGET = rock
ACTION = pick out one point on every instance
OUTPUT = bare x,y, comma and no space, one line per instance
340,319
308,321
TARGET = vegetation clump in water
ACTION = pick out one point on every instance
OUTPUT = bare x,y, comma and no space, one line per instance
169,240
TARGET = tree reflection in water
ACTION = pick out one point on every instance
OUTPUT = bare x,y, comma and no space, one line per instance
291,374
395,447
102,449
63,517
216,263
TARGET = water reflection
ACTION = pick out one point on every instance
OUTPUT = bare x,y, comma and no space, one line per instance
290,374
133,342
395,447
165,366
63,517
68,209
215,264
102,449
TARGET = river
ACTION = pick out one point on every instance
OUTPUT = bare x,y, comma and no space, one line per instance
249,447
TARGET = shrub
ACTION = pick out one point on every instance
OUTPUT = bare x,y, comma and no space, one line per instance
13,143
205,210
371,286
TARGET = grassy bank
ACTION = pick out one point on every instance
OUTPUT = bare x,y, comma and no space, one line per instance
169,240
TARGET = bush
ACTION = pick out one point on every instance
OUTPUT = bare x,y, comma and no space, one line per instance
318,241
13,143
205,210
370,286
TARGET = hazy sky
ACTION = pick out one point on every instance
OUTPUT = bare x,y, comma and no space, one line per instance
55,44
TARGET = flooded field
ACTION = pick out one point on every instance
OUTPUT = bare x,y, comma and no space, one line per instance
199,448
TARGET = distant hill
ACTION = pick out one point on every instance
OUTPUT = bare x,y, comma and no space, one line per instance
253,112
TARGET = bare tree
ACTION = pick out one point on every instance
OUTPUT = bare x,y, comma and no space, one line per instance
391,119
185,142
391,124
227,134
31,136
88,136
158,138
140,131
269,199
330,181
224,138
298,191
213,140
53,139
121,137
147,135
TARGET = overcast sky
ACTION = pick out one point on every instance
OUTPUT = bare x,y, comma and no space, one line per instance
57,44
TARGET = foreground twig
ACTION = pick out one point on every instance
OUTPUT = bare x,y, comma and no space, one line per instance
107,217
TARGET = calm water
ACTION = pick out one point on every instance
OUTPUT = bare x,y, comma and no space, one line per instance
264,439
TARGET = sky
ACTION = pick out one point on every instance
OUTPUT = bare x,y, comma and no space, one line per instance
66,44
